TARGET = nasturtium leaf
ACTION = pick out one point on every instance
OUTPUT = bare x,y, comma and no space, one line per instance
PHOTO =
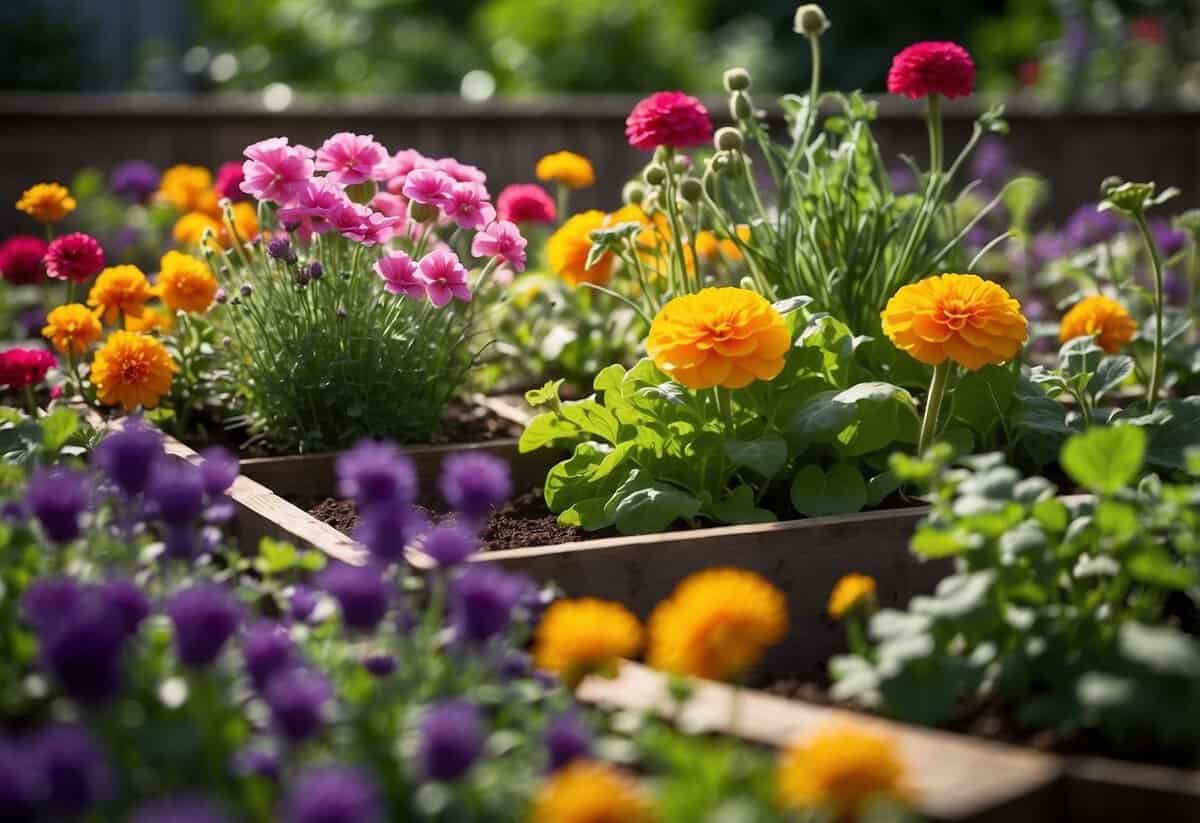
983,397
1105,459
765,455
882,486
1110,374
738,508
840,491
1162,649
57,428
821,418
654,509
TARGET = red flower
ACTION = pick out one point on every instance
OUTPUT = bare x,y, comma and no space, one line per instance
24,367
1149,30
229,181
1030,72
929,68
21,259
525,203
75,257
668,118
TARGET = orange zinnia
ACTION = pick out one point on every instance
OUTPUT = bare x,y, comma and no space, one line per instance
119,290
587,636
567,250
572,170
190,188
958,317
186,283
726,337
47,202
1099,317
132,370
72,328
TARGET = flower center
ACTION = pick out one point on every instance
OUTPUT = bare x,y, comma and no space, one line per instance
955,313
133,371
721,331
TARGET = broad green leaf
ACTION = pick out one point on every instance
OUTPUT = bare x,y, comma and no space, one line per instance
840,491
1162,649
57,428
822,418
933,543
609,378
738,508
765,455
1110,374
983,397
1154,565
590,515
1052,514
275,556
1105,460
655,509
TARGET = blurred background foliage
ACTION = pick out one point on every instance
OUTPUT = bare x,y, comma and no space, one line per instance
1099,51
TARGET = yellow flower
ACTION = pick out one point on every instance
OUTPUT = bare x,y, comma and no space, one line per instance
1101,318
189,188
850,592
960,317
572,170
581,637
717,624
186,283
72,328
47,202
119,290
839,771
567,250
719,337
589,792
709,247
152,320
132,370
244,225
189,230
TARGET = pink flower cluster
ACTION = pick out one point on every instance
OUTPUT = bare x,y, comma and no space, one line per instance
438,277
20,368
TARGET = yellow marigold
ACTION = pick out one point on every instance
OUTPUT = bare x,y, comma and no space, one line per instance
589,792
132,370
152,320
840,770
119,290
189,188
567,250
709,247
189,230
47,202
572,170
960,317
719,337
186,283
244,224
717,624
850,592
1101,318
580,637
72,328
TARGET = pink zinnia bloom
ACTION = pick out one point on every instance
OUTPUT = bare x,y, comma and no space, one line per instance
444,277
350,159
668,118
399,274
397,168
21,259
501,239
929,68
461,172
468,206
429,187
20,368
229,181
76,256
276,171
526,203
310,213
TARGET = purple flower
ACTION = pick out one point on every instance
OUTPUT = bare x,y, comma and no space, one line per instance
475,483
450,544
1170,240
82,649
73,768
444,277
302,603
48,600
180,542
280,248
385,531
256,763
566,739
515,665
129,456
135,181
990,163
903,180
127,602
177,490
20,787
204,617
297,699
267,649
179,810
361,593
349,159
482,599
380,665
334,794
451,740
374,473
503,240
1089,227
57,497
218,471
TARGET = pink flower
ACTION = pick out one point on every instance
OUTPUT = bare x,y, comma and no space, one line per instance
444,277
349,219
501,239
74,257
350,159
526,203
929,68
396,170
20,368
21,259
313,206
400,275
229,181
393,205
379,228
668,118
468,206
429,187
276,171
461,172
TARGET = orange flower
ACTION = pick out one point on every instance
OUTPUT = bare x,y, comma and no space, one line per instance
839,771
1101,318
152,320
132,370
709,247
567,250
47,202
189,230
852,591
589,792
190,188
960,317
580,637
119,290
186,283
244,225
72,328
572,170
719,337
717,624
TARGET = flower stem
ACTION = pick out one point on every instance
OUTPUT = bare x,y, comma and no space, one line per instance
933,405
935,139
725,404
1156,262
31,401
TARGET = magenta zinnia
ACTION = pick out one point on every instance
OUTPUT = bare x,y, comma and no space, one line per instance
76,257
929,68
668,118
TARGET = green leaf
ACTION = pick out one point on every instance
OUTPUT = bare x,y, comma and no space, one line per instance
791,304
739,508
590,472
1110,374
1155,565
590,515
609,378
933,543
546,429
1079,356
765,455
546,395
1162,649
1105,459
57,428
822,418
983,397
275,556
840,491
1052,514
1115,519
652,510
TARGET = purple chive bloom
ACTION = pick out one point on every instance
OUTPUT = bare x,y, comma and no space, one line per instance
129,456
73,768
136,180
380,665
1089,227
482,599
256,763
267,649
48,600
57,497
334,794
83,650
13,511
474,484
451,740
516,664
302,603
990,163
177,490
315,270
204,617
280,248
179,810
20,787
123,238
385,531
376,473
127,602
218,471
1175,288
180,542
450,544
361,593
1170,240
566,739
297,699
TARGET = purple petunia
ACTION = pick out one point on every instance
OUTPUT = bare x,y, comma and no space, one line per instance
177,491
380,665
205,616
334,794
128,603
72,767
82,650
450,544
135,180
374,473
20,786
451,741
218,470
385,531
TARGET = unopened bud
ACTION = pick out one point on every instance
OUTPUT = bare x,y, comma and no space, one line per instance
661,154
633,193
811,20
728,138
1109,183
681,163
226,341
246,290
315,270
221,297
737,79
655,174
690,189
720,161
740,106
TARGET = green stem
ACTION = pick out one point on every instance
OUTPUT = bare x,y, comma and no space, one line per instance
31,402
1156,261
725,404
935,138
563,197
933,406
814,90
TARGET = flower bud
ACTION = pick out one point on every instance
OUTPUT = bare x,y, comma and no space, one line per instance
811,20
280,248
226,341
737,79
720,161
315,270
422,212
246,290
655,174
690,189
728,138
221,297
1109,183
661,153
740,106
633,193
681,163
